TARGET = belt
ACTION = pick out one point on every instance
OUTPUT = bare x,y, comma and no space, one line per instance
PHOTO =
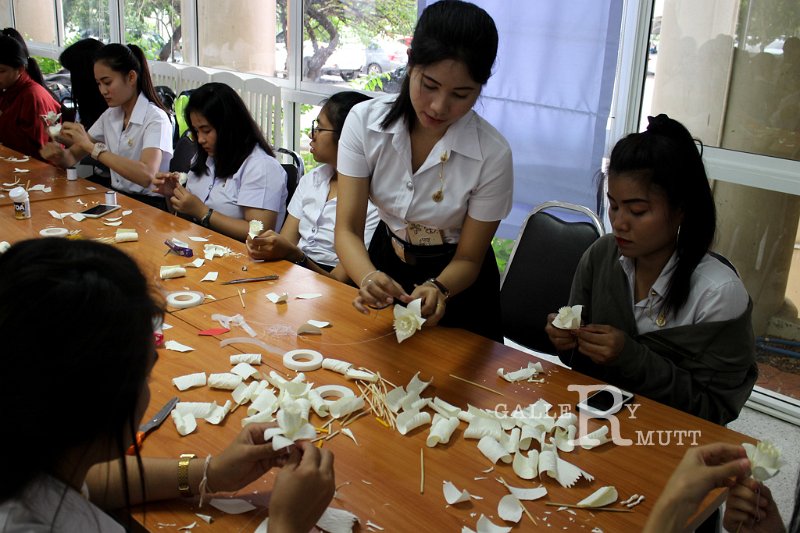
412,254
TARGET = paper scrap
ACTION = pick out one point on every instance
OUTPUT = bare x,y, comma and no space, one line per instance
319,323
127,212
198,239
600,498
452,495
308,295
210,276
197,263
175,346
277,298
117,223
308,329
349,433
232,505
189,380
172,271
509,508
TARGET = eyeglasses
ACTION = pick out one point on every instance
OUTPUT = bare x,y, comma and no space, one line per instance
315,128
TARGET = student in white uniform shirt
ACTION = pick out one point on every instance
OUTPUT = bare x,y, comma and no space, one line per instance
234,177
307,235
63,469
440,176
133,137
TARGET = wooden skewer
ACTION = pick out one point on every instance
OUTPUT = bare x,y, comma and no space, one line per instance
529,514
477,385
359,415
241,299
608,509
421,471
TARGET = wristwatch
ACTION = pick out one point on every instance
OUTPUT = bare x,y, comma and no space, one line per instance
98,149
439,285
206,218
183,473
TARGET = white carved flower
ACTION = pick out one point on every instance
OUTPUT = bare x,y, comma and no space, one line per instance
407,320
765,459
54,130
568,317
51,117
291,427
256,227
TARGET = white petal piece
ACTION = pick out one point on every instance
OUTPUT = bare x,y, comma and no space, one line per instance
245,370
600,498
188,527
308,329
564,438
345,406
112,219
410,420
204,517
509,508
224,380
522,374
117,223
77,216
255,229
127,212
765,459
452,495
525,493
566,473
361,375
198,239
197,263
335,365
218,413
349,433
493,450
486,526
232,505
308,295
596,438
126,235
184,423
266,401
210,276
568,317
319,323
442,429
173,271
277,298
526,466
445,409
189,380
175,346
408,320
250,358
337,521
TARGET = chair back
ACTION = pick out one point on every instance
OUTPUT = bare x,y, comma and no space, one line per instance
294,170
163,73
538,277
231,79
193,77
263,99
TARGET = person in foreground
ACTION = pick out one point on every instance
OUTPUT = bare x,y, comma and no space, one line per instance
24,98
306,237
234,176
749,507
440,176
663,316
133,137
63,468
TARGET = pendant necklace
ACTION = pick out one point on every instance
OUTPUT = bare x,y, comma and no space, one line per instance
438,196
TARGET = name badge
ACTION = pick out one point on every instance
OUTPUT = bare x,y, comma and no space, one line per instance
421,235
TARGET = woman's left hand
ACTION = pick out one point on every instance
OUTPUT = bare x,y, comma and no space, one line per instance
245,460
433,303
76,134
600,342
187,203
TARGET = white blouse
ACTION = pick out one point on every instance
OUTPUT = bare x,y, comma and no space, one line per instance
476,180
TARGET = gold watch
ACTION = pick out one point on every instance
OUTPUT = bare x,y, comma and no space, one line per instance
183,473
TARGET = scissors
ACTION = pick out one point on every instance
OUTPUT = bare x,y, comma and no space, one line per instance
152,424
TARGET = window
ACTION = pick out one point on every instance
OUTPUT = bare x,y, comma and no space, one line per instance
36,21
155,26
5,13
84,19
731,73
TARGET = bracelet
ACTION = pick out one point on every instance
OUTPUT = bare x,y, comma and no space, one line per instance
302,260
439,285
206,218
365,277
183,473
204,482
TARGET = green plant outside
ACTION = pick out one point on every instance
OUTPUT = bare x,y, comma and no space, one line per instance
47,65
502,251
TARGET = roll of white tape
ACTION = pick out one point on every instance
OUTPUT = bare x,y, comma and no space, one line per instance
184,299
54,232
335,392
302,360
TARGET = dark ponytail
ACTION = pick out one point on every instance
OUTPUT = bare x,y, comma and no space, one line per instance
14,53
125,58
667,157
448,29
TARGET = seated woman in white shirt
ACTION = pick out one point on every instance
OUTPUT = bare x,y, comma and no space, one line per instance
133,137
63,474
234,176
307,235
663,317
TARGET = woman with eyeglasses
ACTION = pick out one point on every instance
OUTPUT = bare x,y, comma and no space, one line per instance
307,235
663,317
63,456
234,177
440,176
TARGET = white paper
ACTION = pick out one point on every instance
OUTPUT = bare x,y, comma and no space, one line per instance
197,263
210,276
215,250
189,380
175,346
244,370
308,295
185,423
224,380
198,239
509,508
452,495
231,506
172,271
526,466
522,374
600,498
277,298
319,323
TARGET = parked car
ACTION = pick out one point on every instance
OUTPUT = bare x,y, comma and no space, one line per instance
393,80
383,56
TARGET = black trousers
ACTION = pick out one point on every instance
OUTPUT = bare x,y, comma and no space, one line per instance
476,309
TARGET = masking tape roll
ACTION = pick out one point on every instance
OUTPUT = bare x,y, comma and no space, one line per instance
335,391
184,299
302,360
54,232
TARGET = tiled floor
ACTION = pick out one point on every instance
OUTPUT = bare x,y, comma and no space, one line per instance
773,379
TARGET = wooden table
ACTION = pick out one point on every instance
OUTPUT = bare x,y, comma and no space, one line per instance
39,173
379,478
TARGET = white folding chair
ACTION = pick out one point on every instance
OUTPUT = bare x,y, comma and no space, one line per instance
163,73
263,99
192,78
231,79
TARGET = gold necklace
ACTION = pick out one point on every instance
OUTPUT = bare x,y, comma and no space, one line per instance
438,196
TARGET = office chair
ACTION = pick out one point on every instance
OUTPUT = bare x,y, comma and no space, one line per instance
294,170
538,277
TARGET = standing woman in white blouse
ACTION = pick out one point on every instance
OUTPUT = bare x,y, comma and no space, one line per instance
133,137
440,176
234,177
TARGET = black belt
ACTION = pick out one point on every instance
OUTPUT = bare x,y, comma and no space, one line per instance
413,254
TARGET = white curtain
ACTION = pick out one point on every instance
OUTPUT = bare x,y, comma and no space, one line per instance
550,96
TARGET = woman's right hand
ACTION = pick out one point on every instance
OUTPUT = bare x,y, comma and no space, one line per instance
562,339
377,291
54,153
303,489
269,246
165,183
